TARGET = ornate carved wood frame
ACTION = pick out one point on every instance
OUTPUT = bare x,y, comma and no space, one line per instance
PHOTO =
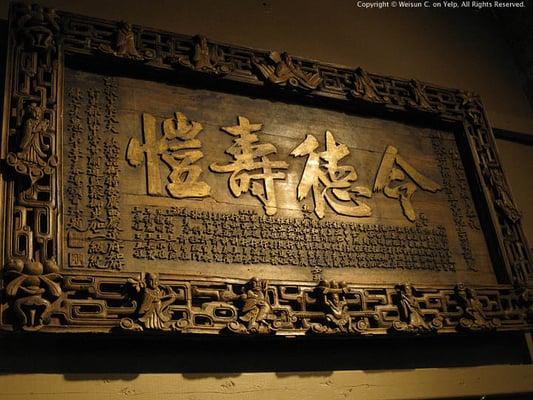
38,294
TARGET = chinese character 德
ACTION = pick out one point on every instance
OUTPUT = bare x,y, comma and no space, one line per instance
388,173
179,155
329,180
252,164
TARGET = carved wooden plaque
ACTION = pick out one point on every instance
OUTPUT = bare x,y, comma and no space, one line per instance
153,181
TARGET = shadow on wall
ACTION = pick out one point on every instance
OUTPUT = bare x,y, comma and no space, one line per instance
69,354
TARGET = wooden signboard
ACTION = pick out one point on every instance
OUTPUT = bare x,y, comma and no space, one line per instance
159,182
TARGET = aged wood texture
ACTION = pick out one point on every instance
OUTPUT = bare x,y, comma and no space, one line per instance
298,202
77,263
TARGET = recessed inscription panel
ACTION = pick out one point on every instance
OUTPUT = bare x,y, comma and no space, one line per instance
170,179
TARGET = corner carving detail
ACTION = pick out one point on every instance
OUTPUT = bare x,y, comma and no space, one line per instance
32,289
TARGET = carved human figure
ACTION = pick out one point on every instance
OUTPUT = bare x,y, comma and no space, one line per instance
388,173
179,155
337,307
410,310
256,307
328,180
364,87
420,98
474,317
33,147
125,42
252,165
156,299
202,58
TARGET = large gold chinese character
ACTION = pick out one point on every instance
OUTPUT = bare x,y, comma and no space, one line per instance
388,173
179,155
323,174
250,156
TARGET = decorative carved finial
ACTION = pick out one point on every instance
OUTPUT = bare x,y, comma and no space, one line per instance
205,57
364,88
412,318
35,158
32,288
284,72
474,317
124,45
154,311
38,27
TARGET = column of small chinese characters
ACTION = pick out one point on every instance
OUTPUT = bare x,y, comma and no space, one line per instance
114,259
96,195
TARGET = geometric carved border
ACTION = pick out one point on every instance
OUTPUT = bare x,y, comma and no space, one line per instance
38,295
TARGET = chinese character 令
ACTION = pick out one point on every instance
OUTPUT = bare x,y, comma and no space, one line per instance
179,148
388,173
252,164
331,183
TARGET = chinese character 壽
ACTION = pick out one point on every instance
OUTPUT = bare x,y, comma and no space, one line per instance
252,164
